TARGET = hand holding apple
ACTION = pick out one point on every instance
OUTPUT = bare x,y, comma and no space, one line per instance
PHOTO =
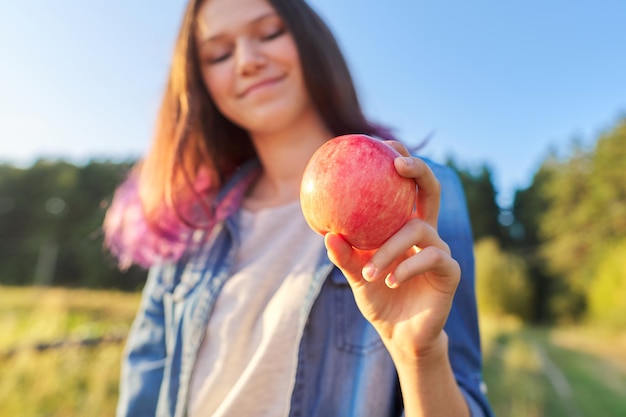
404,287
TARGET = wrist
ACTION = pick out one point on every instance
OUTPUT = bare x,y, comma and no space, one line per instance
427,381
404,354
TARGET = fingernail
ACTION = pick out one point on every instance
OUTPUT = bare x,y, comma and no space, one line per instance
369,271
391,281
408,161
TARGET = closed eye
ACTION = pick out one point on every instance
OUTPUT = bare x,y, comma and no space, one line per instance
219,58
273,35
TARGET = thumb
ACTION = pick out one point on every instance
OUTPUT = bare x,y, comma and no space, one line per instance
339,251
347,258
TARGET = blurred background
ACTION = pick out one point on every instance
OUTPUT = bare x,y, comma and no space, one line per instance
526,100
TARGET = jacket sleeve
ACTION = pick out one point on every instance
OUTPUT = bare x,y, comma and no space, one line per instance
462,325
145,352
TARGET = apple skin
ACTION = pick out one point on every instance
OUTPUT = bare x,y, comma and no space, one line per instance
350,186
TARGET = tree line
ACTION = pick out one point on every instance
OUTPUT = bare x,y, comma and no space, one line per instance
556,254
50,225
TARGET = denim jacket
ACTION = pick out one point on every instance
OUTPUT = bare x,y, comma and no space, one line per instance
343,368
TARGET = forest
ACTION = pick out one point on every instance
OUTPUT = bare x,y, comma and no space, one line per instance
556,255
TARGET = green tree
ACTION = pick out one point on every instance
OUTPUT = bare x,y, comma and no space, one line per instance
502,283
586,215
528,206
481,200
607,293
50,219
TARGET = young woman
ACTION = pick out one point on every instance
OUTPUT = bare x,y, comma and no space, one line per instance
246,310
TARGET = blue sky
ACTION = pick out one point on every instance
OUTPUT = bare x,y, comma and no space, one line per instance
498,82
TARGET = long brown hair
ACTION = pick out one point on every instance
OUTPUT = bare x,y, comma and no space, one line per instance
192,136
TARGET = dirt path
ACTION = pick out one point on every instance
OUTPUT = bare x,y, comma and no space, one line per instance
557,380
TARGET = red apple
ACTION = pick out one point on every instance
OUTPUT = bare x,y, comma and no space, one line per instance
351,187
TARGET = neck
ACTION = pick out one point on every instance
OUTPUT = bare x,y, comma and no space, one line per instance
284,156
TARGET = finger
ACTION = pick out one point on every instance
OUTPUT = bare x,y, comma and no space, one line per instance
414,234
433,264
398,146
428,187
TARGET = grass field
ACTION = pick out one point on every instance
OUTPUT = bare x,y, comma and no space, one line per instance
61,380
554,372
530,372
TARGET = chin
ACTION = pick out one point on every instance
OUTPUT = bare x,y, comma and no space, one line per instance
273,118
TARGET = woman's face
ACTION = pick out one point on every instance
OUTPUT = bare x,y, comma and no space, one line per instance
250,64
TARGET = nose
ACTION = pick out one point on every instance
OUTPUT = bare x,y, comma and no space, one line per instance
249,56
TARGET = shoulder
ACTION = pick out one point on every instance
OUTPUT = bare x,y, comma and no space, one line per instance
445,174
451,187
453,212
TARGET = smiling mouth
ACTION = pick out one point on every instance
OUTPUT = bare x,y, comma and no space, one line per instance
261,86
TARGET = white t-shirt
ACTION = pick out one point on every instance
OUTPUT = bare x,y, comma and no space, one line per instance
247,361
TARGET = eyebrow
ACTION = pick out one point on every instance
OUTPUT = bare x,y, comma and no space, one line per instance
218,36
